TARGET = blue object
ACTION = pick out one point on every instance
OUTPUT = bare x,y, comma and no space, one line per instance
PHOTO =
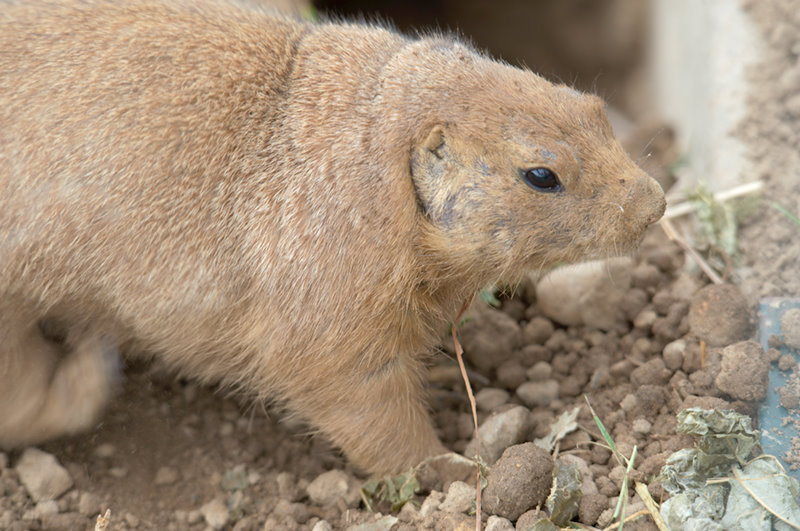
776,433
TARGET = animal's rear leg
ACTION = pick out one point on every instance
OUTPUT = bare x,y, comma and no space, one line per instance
49,391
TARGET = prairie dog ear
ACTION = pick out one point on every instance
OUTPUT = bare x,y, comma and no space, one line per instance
435,141
429,169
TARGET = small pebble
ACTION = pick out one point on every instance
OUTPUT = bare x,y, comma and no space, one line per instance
215,513
41,474
166,475
287,487
605,518
774,354
539,372
235,478
591,507
600,455
131,520
539,394
46,507
194,517
528,519
89,504
498,523
673,354
105,450
459,498
409,513
490,398
297,511
786,362
653,372
381,523
322,525
511,374
537,331
500,431
431,503
628,403
641,426
118,472
328,487
645,319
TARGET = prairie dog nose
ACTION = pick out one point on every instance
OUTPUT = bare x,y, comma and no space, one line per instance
646,202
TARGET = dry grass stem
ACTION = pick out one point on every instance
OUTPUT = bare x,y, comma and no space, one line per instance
459,352
672,234
102,521
681,209
652,506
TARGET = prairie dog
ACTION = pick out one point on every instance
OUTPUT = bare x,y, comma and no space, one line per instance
296,210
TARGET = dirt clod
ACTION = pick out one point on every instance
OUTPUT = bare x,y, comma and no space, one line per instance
590,507
654,372
518,481
744,371
719,315
529,519
490,398
790,327
538,393
487,347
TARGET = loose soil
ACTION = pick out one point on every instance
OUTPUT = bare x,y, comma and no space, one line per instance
770,241
170,454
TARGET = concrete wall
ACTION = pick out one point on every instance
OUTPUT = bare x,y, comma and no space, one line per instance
701,50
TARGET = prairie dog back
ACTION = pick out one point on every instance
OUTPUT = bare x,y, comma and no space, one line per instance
293,209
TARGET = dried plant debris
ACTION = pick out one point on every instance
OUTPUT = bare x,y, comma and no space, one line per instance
717,486
717,221
565,424
565,494
394,490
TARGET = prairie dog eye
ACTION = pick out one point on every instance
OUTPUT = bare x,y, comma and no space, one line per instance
542,179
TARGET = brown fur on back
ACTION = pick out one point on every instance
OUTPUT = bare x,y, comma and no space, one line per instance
293,209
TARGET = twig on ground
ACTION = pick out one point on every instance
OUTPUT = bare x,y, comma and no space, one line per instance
103,520
672,234
628,519
686,207
681,209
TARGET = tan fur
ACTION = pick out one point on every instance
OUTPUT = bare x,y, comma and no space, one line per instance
295,210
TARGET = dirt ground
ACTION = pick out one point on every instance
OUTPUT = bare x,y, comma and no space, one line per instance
769,241
170,454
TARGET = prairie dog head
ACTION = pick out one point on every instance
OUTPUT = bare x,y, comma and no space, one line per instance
515,171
